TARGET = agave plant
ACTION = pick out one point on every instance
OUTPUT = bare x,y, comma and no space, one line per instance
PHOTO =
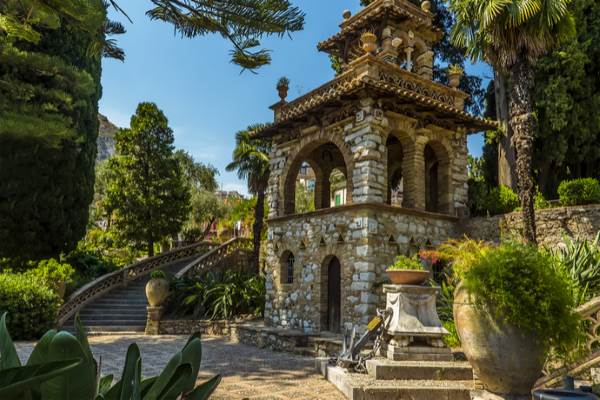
62,366
579,260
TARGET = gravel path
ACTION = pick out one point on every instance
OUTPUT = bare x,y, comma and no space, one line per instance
248,372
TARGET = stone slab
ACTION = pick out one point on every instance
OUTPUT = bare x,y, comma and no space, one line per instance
384,369
417,353
364,387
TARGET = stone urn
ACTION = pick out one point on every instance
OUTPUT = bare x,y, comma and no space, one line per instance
369,42
157,290
507,360
455,74
407,276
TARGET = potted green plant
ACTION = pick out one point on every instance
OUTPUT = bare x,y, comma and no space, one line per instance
283,86
511,309
407,271
157,288
455,73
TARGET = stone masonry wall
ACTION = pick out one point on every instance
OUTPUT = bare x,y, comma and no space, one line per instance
365,238
553,224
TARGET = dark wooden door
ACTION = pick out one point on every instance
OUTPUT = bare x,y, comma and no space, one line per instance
334,295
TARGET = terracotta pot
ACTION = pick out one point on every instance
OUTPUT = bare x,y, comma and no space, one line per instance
157,291
507,360
369,42
407,276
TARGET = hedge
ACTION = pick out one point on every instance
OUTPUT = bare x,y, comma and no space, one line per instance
579,192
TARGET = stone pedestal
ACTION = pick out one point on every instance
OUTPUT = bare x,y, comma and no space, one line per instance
153,320
415,330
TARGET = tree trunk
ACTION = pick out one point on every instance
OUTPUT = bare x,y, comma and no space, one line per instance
257,227
506,154
208,228
150,248
523,123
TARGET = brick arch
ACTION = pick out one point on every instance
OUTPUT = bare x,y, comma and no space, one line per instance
400,161
308,152
438,176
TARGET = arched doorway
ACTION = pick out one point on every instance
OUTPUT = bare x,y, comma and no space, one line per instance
331,292
438,197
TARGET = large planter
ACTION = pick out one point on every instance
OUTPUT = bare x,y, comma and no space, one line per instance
507,360
157,291
407,276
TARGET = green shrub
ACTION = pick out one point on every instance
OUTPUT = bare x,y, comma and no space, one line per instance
158,274
501,200
579,192
32,306
516,285
451,340
406,263
540,201
53,273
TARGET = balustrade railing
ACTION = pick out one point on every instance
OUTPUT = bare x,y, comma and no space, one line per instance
127,274
590,312
214,257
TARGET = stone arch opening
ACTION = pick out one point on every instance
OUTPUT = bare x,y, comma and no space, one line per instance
437,178
287,266
308,180
395,160
331,294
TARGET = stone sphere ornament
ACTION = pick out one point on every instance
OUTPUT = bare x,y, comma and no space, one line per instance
347,14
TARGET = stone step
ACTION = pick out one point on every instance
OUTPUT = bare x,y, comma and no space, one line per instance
113,322
362,387
383,369
127,320
115,313
108,304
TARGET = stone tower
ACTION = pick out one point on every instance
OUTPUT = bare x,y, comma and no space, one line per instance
400,141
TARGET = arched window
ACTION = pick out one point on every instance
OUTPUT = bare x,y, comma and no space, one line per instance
395,195
438,195
287,268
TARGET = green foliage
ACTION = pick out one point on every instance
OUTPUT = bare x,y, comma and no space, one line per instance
218,296
491,201
32,306
579,191
513,282
147,189
242,22
199,176
62,366
580,262
88,266
305,199
406,263
48,123
206,208
109,246
53,273
158,274
451,340
283,83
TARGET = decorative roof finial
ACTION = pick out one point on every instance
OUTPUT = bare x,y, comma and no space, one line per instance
283,86
347,14
426,5
369,42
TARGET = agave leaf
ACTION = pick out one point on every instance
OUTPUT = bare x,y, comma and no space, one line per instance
15,381
82,337
130,372
114,392
105,384
8,353
165,377
146,385
192,355
40,352
177,383
204,390
79,383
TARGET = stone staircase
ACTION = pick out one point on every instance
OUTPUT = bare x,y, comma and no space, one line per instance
120,311
414,380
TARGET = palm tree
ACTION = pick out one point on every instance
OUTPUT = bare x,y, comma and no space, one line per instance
512,35
251,161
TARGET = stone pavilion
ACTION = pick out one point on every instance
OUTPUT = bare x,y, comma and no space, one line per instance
400,140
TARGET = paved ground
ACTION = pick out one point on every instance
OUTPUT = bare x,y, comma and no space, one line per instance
248,372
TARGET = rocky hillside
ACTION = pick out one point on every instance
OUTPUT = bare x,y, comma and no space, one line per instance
106,139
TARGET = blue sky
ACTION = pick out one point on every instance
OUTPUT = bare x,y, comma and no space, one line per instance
206,98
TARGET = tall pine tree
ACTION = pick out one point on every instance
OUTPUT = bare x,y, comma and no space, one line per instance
147,189
49,91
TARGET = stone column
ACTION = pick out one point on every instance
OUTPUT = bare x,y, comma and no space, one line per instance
413,169
153,320
366,139
277,163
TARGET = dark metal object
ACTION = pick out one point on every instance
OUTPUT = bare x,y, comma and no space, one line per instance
563,394
351,357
